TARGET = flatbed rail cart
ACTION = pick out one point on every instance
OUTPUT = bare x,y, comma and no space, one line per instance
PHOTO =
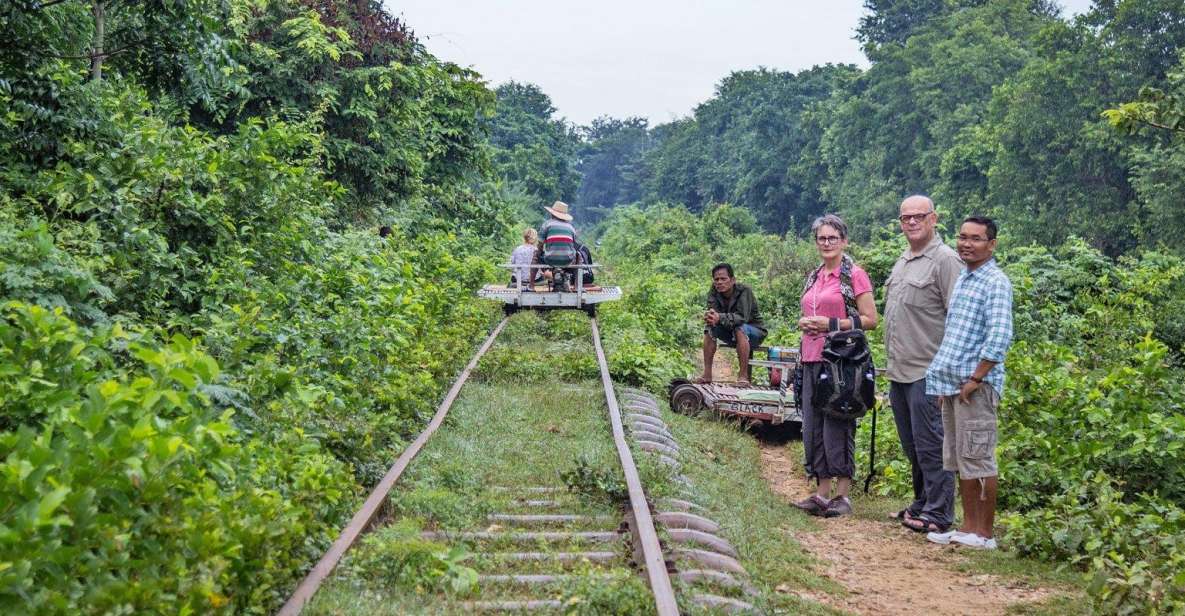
756,406
520,296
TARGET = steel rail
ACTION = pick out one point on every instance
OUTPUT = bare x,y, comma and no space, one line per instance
309,585
656,568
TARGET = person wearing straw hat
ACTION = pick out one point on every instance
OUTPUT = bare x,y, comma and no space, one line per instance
559,243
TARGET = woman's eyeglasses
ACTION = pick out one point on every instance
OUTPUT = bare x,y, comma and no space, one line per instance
826,240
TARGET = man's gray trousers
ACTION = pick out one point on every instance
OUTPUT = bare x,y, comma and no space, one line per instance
919,425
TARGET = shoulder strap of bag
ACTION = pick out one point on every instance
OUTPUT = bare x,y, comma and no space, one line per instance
849,294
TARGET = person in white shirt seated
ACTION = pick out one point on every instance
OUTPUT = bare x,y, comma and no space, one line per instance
524,255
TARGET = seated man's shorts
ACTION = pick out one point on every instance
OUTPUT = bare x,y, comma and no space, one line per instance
969,434
727,336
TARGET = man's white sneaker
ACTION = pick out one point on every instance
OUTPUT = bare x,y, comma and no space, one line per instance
974,541
943,538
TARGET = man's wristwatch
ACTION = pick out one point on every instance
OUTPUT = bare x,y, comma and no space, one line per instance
975,379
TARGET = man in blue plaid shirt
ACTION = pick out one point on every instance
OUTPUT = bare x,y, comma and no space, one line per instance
967,374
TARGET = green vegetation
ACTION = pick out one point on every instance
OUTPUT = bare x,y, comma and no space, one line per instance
991,107
207,355
203,361
1091,427
761,525
524,429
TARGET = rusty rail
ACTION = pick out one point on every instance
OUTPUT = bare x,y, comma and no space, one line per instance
309,585
656,568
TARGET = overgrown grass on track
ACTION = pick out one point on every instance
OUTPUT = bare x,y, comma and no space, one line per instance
526,419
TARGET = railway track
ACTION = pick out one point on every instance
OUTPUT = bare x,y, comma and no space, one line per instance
542,538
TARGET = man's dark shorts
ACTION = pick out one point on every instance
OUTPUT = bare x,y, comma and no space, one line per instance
727,336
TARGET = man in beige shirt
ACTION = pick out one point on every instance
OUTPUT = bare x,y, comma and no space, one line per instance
917,295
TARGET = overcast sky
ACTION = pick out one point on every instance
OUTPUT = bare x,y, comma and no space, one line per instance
652,58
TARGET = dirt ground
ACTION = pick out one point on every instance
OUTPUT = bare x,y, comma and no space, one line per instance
885,568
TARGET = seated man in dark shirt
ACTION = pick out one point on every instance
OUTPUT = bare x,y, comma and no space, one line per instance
732,317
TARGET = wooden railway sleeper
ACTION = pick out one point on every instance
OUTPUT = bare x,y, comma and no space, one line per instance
646,419
647,407
710,560
516,519
637,426
643,409
512,606
640,399
591,556
677,504
577,536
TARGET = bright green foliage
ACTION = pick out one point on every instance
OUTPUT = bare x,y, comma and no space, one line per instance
211,206
1135,547
401,131
616,593
397,556
154,213
533,149
125,478
1155,122
1122,420
739,146
33,269
1092,425
345,347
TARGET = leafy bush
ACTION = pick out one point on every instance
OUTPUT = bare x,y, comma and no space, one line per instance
613,593
129,491
396,555
1061,421
1092,424
595,482
1134,549
33,269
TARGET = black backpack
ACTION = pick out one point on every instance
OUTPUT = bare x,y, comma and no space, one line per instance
846,387
585,258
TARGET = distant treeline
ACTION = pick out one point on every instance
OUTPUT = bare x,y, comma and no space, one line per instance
995,107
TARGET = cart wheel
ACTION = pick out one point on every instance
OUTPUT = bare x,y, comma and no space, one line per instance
687,400
509,309
591,311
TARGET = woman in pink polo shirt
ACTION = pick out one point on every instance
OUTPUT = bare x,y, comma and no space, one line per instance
836,296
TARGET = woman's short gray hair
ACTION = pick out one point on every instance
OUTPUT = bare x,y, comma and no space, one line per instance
833,221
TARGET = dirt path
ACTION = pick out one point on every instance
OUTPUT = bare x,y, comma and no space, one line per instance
887,569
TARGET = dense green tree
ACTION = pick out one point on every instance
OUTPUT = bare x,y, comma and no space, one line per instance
533,148
740,146
887,136
892,22
401,128
1156,124
55,54
1053,168
610,164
